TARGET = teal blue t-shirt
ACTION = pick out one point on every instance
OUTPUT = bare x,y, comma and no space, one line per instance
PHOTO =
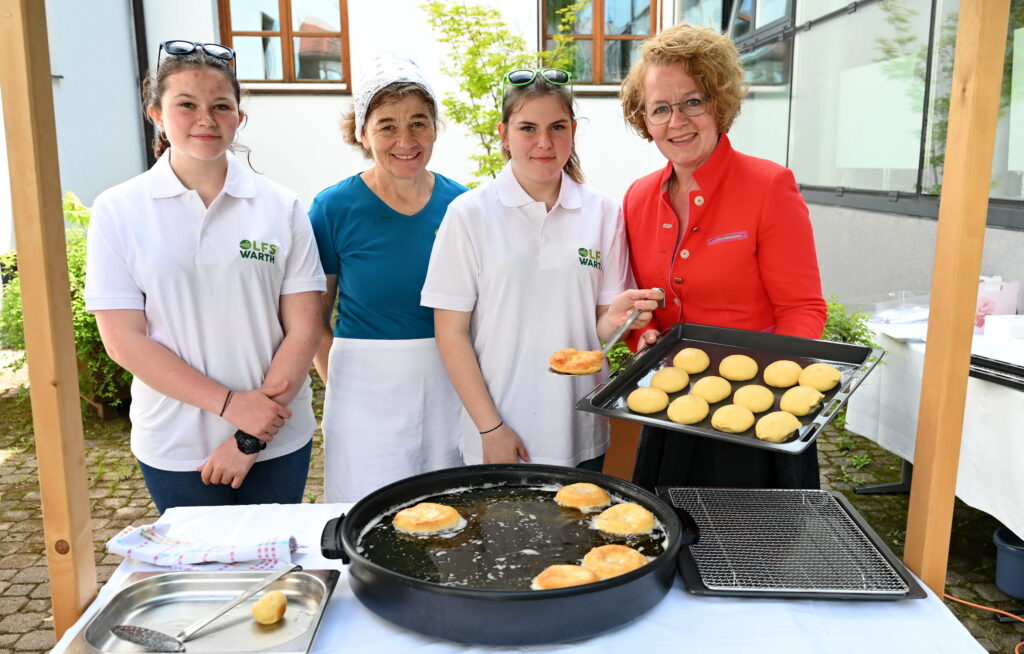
380,257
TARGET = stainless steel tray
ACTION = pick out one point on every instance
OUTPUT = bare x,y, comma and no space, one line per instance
853,361
168,601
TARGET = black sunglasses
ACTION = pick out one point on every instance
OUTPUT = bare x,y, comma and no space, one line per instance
525,76
178,48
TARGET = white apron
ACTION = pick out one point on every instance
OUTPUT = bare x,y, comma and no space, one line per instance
390,412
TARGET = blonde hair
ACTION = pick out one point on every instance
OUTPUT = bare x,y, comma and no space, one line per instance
708,57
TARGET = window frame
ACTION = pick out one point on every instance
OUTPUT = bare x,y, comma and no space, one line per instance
598,39
289,83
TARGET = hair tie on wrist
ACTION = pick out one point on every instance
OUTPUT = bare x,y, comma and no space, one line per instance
227,401
493,428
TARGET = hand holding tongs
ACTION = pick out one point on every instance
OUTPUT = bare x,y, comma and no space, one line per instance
624,327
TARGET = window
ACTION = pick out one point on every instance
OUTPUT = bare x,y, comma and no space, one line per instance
703,13
606,47
296,45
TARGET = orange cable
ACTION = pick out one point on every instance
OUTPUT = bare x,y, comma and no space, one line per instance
983,608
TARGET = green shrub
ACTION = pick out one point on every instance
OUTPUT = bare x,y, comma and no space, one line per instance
98,376
844,326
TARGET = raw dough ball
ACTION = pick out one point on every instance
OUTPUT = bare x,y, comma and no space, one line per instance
782,374
270,608
688,409
800,400
692,360
712,389
738,367
670,380
647,400
821,376
732,419
755,397
777,426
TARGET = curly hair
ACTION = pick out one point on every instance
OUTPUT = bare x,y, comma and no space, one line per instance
708,57
390,93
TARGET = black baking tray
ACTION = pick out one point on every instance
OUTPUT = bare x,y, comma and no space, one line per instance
999,372
853,361
832,551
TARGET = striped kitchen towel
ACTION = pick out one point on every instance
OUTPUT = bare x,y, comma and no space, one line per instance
150,544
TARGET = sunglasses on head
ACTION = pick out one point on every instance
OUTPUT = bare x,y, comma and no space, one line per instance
526,76
178,48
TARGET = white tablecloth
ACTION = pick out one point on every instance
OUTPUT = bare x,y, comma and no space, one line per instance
681,622
989,477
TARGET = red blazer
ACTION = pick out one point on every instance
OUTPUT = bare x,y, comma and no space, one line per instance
747,259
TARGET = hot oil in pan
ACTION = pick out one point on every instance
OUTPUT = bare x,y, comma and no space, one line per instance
511,535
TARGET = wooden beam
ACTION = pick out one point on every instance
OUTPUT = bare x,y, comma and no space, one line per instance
46,302
963,205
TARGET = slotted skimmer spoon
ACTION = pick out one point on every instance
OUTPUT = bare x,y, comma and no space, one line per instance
158,641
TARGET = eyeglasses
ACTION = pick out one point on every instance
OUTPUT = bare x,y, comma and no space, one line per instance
178,48
661,112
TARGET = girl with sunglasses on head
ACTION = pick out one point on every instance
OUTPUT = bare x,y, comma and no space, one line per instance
206,285
525,265
390,411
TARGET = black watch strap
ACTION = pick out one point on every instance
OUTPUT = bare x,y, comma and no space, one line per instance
247,443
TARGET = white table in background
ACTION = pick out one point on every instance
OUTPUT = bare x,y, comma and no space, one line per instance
680,623
990,476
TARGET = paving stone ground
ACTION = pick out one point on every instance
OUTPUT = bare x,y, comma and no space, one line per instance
118,497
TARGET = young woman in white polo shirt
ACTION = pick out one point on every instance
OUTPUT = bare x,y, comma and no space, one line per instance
206,285
525,265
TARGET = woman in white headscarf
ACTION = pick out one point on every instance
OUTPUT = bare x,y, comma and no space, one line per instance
390,410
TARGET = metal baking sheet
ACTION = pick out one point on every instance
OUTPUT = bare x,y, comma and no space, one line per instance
809,544
853,361
169,601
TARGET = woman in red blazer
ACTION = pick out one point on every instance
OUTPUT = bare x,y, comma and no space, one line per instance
726,235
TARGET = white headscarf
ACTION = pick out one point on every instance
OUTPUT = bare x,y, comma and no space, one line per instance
382,71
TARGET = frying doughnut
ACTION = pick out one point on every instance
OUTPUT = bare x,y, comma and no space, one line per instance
821,376
613,560
577,362
732,419
426,518
647,400
712,389
738,367
688,409
583,496
563,576
691,360
670,380
776,426
626,519
782,374
755,397
800,400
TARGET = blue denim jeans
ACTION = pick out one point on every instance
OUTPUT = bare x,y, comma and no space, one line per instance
277,481
594,465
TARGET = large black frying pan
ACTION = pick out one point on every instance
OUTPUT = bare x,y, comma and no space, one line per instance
503,617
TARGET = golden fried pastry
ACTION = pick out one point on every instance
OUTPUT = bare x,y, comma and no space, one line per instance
583,496
626,519
732,419
270,608
647,400
670,380
688,409
777,426
800,400
755,397
577,362
613,560
712,389
563,576
738,367
426,518
691,360
821,376
782,374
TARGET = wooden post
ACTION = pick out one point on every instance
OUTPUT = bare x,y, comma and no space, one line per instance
46,302
973,110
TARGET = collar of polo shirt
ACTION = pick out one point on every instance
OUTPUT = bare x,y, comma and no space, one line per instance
163,183
512,194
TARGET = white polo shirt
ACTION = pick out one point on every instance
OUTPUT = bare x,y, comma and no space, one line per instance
210,282
533,280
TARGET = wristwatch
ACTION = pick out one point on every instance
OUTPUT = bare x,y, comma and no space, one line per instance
247,443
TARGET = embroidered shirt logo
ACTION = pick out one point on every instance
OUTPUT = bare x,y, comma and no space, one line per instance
590,258
258,250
